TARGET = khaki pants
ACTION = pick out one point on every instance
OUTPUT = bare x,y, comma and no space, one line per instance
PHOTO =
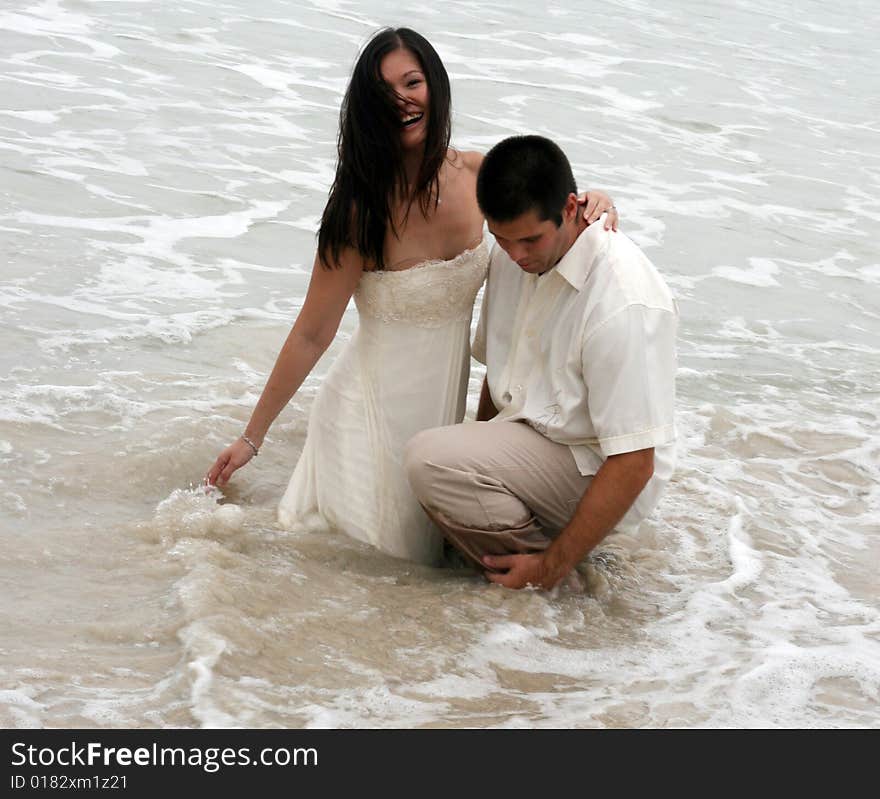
494,488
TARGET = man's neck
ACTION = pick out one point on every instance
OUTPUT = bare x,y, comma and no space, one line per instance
576,228
579,228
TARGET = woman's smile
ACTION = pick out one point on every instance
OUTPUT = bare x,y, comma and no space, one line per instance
404,75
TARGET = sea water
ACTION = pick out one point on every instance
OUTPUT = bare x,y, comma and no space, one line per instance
162,171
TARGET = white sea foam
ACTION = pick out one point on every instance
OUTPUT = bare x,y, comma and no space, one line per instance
204,648
762,273
816,28
195,513
21,709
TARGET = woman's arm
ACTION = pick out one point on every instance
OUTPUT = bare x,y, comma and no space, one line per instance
312,332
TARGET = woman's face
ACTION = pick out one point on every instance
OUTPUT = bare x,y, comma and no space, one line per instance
402,72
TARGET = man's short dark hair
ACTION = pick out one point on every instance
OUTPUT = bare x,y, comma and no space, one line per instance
521,174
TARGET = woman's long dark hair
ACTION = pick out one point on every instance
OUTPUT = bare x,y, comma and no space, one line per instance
370,173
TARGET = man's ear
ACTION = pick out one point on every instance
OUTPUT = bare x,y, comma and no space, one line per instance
570,211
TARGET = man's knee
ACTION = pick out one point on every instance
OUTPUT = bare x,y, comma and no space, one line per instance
419,456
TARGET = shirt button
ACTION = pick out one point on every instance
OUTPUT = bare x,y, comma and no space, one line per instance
518,389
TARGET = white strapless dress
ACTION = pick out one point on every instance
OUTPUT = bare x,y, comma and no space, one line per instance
405,369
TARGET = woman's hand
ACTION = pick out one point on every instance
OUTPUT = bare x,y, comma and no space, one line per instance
597,203
233,457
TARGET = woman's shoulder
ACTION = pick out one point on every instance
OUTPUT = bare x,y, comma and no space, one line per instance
465,159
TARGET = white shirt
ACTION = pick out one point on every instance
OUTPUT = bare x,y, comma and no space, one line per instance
585,354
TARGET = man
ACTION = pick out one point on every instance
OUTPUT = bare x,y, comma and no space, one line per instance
575,435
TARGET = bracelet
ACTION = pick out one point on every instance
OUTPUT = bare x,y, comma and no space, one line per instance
251,444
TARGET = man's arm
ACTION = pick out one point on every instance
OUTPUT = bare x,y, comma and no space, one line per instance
486,410
608,497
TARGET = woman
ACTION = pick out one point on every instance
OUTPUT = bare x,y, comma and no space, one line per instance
402,233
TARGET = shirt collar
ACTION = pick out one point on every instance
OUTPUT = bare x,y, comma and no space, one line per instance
576,264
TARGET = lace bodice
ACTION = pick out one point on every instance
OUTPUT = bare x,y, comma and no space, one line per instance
430,294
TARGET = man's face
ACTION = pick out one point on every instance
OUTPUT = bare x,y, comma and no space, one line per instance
535,244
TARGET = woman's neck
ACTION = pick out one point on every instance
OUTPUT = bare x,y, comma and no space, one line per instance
412,165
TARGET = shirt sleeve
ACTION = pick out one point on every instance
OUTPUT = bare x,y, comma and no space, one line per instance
629,366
